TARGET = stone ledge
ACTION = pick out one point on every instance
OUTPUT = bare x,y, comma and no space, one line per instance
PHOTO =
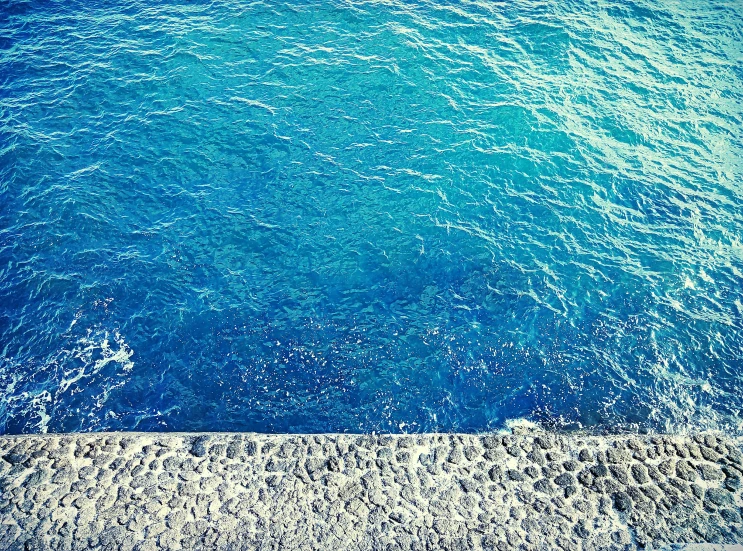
538,490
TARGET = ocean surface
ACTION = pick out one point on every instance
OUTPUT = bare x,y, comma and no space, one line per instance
389,216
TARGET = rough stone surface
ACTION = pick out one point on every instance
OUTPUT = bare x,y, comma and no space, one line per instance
229,492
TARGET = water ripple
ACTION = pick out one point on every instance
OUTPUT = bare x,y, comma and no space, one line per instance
371,215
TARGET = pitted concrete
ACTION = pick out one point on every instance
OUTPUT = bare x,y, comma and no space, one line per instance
126,491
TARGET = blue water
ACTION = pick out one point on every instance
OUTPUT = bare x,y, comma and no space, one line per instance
371,216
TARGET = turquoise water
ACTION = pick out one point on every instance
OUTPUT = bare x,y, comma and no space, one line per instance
371,216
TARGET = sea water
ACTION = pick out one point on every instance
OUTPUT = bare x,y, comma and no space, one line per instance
390,216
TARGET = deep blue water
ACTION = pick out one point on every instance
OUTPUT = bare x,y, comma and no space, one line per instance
371,216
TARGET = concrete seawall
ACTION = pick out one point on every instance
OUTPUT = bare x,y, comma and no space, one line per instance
534,490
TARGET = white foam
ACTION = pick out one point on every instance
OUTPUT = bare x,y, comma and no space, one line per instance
90,354
89,346
522,424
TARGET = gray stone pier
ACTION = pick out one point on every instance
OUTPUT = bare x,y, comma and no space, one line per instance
531,490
